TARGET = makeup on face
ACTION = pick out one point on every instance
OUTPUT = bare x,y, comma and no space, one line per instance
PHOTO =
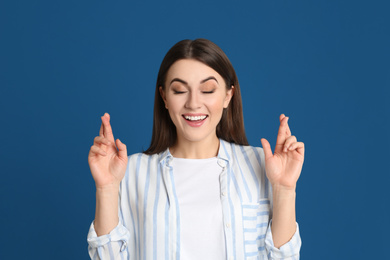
195,96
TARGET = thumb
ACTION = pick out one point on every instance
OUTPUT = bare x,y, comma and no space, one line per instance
122,149
267,148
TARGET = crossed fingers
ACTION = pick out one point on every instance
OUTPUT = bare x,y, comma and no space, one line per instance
285,140
105,138
284,130
105,128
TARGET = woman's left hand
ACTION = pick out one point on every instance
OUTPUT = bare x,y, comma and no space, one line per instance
284,166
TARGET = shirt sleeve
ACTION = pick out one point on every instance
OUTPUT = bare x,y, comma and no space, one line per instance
288,251
111,246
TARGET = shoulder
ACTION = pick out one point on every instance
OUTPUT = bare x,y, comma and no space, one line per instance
140,165
138,156
242,152
143,159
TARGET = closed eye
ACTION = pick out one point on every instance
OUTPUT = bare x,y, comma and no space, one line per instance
179,92
208,92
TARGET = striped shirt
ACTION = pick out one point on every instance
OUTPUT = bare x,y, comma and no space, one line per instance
149,214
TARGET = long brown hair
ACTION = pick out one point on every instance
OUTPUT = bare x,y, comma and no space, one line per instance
231,126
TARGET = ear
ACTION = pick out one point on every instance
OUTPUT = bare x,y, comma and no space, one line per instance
162,94
229,95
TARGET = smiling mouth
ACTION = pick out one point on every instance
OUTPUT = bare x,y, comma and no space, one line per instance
195,118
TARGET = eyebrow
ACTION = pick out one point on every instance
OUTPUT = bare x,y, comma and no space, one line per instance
201,82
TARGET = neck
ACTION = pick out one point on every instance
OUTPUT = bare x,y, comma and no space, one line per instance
195,150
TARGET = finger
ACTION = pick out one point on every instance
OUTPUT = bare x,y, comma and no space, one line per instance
284,131
299,146
101,130
96,150
288,130
101,140
288,127
107,130
290,140
122,149
266,148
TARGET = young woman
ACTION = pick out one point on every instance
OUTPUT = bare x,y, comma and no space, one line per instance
199,191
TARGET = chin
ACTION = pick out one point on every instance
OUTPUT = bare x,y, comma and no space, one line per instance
197,137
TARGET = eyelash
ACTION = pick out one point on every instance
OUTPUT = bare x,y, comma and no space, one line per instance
182,92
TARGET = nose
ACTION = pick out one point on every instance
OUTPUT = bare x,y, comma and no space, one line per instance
193,101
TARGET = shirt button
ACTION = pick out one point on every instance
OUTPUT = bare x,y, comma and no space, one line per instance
222,163
223,193
124,245
228,225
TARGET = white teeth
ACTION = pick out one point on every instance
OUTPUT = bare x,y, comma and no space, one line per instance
194,118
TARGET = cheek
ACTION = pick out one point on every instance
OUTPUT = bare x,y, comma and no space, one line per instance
171,103
174,116
216,106
174,107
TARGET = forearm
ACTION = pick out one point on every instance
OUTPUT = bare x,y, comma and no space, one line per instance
106,215
283,219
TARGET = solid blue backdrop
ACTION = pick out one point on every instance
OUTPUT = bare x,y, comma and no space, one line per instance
63,64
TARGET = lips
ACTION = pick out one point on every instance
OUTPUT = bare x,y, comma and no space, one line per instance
195,120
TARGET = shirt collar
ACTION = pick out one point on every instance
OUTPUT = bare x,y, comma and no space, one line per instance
222,151
166,156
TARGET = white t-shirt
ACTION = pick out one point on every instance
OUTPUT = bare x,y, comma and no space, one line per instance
201,220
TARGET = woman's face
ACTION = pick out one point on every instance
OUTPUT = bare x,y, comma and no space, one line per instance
195,96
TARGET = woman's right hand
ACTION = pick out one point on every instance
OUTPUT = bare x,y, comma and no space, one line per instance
107,163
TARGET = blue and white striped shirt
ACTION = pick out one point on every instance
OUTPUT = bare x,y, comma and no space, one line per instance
149,214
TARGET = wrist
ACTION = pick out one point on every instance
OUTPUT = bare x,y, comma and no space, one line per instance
107,189
283,189
281,193
107,193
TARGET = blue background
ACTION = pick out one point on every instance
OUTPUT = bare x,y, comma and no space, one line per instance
323,63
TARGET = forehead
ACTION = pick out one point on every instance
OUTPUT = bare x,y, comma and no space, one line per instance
192,71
